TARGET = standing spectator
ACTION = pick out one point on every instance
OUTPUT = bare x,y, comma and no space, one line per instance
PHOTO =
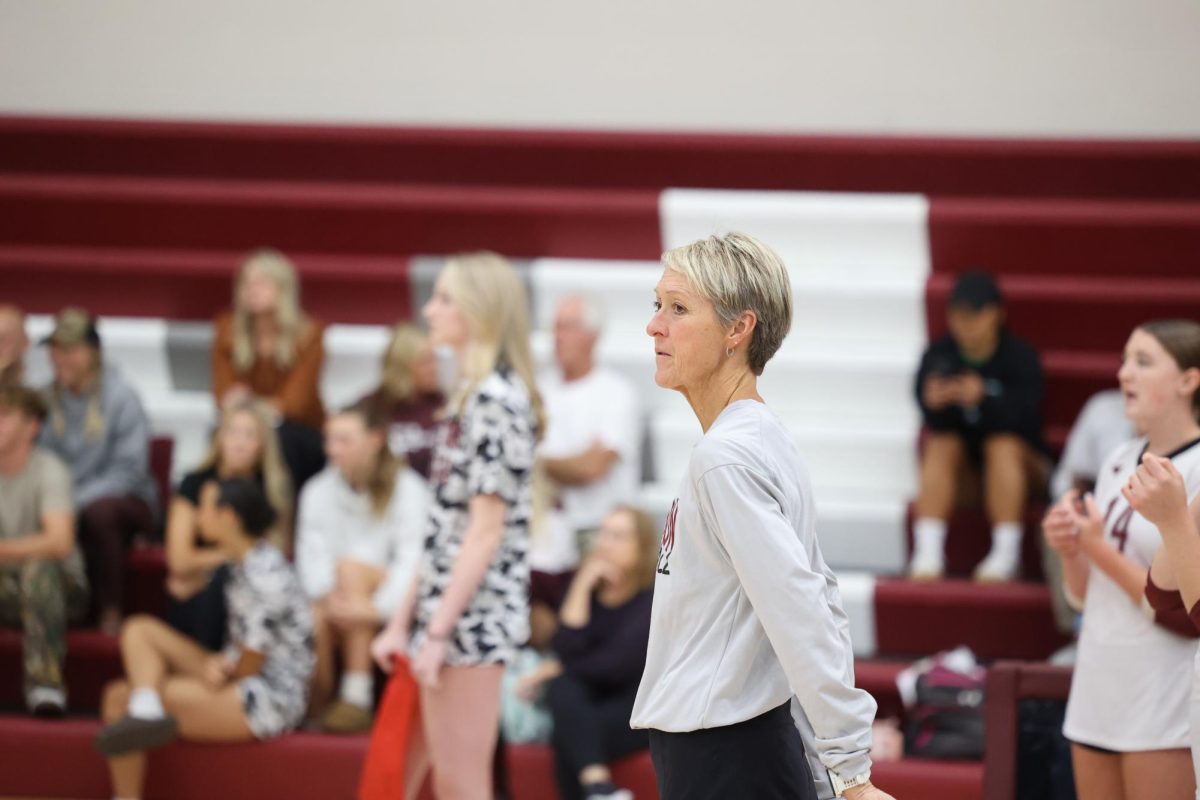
467,611
253,689
245,446
42,582
601,651
19,364
360,534
410,393
980,392
98,428
1128,715
270,349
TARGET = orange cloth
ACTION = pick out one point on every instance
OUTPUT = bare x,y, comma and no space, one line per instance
294,391
383,770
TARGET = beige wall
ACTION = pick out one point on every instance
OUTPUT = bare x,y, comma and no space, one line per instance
1010,67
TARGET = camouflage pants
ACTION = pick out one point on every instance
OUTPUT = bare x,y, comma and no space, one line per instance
41,598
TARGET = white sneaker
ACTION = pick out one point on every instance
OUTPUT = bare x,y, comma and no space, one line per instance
46,701
998,567
926,566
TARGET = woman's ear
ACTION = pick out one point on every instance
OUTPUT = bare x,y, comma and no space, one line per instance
743,328
1189,381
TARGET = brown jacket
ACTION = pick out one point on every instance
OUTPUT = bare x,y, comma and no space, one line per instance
294,391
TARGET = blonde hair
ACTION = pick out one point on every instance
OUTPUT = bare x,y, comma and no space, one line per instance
93,421
381,483
396,380
290,318
277,481
738,273
488,291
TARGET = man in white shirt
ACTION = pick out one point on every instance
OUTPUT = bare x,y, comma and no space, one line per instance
592,447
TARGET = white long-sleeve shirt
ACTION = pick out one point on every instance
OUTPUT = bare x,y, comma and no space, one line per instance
336,523
746,613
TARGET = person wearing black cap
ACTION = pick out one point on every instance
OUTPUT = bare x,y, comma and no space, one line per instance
979,389
97,426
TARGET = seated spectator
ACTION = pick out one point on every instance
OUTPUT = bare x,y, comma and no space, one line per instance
591,453
42,582
18,363
360,534
410,394
98,428
980,392
268,348
245,446
601,651
253,689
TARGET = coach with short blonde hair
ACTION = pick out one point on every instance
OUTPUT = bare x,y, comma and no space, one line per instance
748,689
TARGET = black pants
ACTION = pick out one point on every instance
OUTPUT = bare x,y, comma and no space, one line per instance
591,726
106,527
762,758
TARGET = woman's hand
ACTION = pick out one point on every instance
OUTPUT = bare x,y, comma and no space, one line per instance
218,670
1090,524
594,571
867,791
391,642
183,587
1157,491
427,666
1059,528
346,612
530,685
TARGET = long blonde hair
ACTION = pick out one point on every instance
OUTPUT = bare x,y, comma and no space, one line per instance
492,298
290,318
277,481
396,383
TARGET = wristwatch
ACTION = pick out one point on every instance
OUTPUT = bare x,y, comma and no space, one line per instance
840,785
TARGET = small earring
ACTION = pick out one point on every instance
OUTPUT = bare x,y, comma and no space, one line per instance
729,353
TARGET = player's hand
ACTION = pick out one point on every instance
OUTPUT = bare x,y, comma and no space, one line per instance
867,791
427,666
1089,522
391,642
1059,528
1157,492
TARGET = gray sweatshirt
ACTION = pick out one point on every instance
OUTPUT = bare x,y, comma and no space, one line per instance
116,464
746,614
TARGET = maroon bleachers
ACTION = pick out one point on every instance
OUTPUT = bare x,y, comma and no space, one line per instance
936,166
996,621
93,211
196,284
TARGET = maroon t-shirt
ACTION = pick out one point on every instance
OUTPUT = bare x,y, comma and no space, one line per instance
413,433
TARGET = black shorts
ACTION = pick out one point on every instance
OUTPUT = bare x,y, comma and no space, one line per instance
761,758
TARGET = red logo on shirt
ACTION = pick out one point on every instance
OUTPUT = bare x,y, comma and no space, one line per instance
668,540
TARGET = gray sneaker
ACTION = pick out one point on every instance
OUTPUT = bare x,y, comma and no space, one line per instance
131,734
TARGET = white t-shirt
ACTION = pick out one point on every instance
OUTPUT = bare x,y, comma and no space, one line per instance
601,405
746,613
1133,679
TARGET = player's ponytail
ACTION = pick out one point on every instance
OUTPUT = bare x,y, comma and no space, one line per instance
1180,338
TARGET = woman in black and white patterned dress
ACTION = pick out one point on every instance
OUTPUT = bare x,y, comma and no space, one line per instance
467,610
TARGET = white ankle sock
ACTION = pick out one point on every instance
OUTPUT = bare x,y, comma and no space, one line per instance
929,537
358,688
1006,539
146,704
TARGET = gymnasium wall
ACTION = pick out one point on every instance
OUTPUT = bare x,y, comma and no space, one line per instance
1103,68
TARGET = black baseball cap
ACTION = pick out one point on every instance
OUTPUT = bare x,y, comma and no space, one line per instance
975,290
